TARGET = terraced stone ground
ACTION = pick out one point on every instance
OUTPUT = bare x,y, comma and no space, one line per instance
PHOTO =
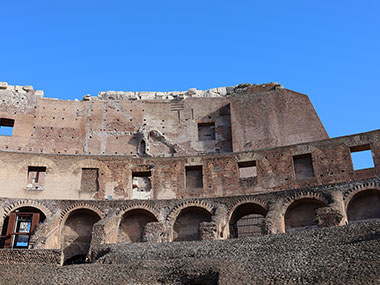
338,255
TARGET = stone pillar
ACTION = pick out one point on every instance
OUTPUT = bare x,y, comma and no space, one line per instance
153,232
208,231
274,220
334,214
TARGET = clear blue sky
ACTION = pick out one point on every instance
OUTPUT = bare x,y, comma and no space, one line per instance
329,50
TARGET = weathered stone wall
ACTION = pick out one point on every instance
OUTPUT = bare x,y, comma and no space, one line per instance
273,118
119,123
67,221
330,159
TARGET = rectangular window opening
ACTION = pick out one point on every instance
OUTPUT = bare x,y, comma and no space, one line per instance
303,166
90,180
36,177
206,131
6,127
362,157
194,177
141,185
247,173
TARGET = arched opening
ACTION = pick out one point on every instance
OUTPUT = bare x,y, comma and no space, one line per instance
132,225
142,148
19,226
247,220
76,233
301,214
186,226
364,205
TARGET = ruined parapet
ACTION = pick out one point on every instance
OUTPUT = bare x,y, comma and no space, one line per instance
153,232
191,93
17,89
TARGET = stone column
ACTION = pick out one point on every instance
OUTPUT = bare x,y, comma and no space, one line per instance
208,231
334,214
274,220
153,232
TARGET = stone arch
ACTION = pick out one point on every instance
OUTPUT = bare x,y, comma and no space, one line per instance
185,226
299,211
22,166
25,215
26,203
76,233
65,213
171,218
363,203
247,218
89,163
143,206
132,224
359,188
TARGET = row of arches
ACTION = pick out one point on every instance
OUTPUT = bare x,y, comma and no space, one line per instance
247,219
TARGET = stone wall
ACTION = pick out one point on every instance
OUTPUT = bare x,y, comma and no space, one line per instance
218,175
142,124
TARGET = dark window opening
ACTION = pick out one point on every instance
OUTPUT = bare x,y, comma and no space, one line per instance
36,177
90,180
206,131
194,177
6,127
362,157
303,166
141,185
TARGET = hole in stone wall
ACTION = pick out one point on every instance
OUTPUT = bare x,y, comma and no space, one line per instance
362,157
247,173
141,185
194,177
36,177
6,127
303,166
206,131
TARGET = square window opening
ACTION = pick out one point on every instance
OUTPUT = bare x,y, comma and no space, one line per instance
247,169
36,177
303,166
362,157
141,185
206,131
6,127
194,177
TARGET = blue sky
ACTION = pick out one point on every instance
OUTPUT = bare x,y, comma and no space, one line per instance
329,50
